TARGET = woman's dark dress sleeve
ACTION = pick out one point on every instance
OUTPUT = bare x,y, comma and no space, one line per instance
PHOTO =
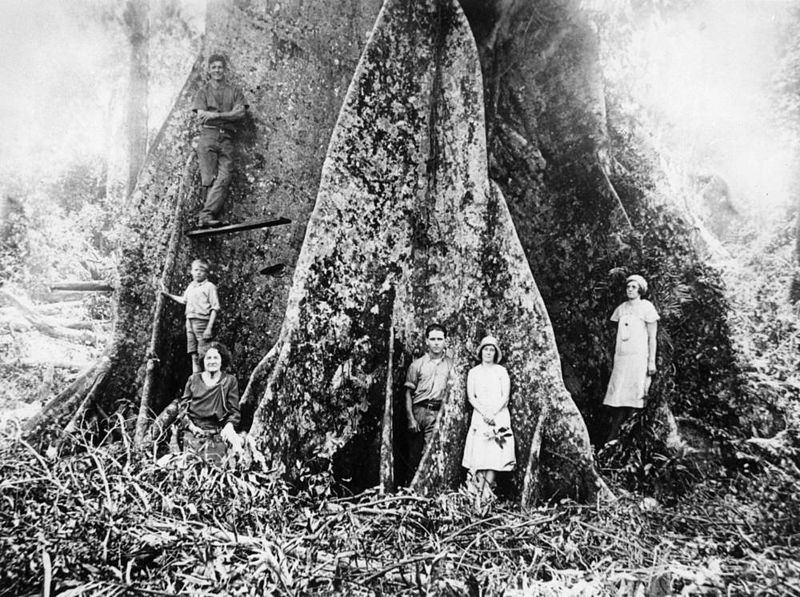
213,408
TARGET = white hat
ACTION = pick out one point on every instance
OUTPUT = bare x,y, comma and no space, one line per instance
640,281
490,341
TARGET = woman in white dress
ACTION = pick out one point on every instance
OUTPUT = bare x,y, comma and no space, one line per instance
634,355
490,441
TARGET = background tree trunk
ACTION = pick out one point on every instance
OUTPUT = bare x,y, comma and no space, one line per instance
137,21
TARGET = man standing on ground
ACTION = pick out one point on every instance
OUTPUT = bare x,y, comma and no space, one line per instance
218,106
427,382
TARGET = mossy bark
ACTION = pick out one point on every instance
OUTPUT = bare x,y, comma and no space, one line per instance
408,229
293,61
583,202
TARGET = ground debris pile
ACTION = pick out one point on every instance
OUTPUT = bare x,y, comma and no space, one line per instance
101,522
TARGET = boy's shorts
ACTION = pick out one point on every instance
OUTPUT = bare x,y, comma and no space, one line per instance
194,335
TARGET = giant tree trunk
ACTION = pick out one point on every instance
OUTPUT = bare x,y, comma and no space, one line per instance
580,194
410,225
294,62
408,229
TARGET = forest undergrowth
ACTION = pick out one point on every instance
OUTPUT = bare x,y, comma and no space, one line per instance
100,521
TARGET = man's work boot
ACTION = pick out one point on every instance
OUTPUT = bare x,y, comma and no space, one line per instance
209,223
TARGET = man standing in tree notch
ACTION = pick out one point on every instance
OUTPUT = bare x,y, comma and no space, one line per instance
218,106
427,382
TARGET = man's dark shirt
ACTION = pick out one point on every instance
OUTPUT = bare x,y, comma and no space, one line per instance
221,99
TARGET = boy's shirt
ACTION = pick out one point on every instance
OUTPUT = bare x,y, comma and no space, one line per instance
201,298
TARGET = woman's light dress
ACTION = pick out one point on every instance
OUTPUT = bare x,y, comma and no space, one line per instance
628,384
489,447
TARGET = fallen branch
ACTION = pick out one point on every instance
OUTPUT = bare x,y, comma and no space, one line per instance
161,423
80,412
61,296
43,325
83,286
25,324
46,309
62,404
80,324
413,560
50,308
29,362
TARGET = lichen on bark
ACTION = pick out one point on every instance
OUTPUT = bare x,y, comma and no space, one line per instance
408,229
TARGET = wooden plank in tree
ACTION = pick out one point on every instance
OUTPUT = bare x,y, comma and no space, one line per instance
250,225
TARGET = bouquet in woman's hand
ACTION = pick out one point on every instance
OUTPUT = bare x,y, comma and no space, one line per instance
498,434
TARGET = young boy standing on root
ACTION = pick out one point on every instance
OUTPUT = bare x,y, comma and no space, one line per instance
202,306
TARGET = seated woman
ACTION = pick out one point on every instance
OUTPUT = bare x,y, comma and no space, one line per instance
634,354
490,442
213,406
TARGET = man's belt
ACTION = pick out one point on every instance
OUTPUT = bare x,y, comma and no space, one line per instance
219,129
430,404
198,431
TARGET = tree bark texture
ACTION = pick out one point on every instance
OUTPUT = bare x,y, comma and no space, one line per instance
293,61
408,229
580,196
